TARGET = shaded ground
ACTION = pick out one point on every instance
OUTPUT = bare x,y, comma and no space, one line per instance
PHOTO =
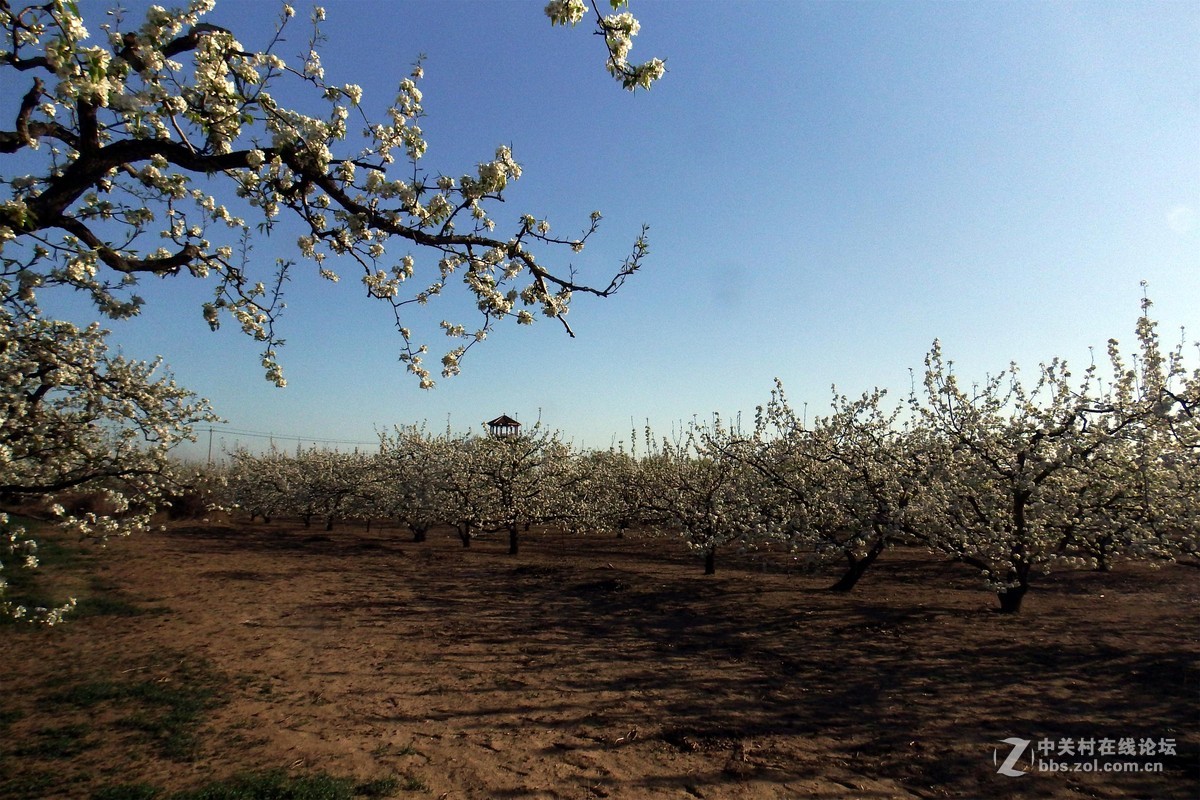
587,668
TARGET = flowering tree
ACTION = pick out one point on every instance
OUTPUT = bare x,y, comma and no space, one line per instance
525,480
478,484
459,462
843,486
150,150
1176,462
618,31
260,484
1127,502
1181,526
705,492
332,485
1053,474
412,486
613,493
75,419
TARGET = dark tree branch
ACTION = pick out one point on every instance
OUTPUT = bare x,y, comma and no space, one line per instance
28,103
12,141
125,264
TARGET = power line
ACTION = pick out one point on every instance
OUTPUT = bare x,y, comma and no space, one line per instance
287,437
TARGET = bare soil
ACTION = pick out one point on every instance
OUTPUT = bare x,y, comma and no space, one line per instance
592,667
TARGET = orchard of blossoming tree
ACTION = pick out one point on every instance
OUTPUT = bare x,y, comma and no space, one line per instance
1012,479
157,148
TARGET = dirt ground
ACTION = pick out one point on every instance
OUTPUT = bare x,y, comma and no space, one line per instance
588,668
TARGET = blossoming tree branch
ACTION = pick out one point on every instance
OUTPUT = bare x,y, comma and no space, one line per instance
126,155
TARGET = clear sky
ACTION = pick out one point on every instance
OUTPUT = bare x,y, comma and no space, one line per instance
829,187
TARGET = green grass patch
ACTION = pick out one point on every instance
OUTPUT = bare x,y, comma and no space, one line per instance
108,605
127,791
166,709
412,783
32,588
381,787
278,785
63,562
385,749
270,785
162,704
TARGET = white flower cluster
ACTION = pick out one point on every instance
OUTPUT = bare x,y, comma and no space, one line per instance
618,31
566,12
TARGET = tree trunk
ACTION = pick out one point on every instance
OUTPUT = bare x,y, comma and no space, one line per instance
464,533
512,540
710,561
1010,599
856,569
419,532
329,522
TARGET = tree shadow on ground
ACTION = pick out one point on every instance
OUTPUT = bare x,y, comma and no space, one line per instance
912,679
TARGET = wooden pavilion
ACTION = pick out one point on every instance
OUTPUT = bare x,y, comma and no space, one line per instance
504,426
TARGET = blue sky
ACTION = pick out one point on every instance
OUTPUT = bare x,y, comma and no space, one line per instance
829,187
